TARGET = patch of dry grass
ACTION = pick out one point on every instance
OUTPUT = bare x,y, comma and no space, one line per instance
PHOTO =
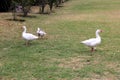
75,62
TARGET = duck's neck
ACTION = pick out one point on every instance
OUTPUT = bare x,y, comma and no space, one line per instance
24,30
97,35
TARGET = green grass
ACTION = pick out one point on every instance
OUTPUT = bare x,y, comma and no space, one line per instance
61,56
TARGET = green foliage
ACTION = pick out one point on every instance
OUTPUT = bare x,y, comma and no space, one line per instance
23,2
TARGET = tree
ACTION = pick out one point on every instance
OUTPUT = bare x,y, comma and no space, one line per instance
42,4
51,2
26,4
58,2
13,7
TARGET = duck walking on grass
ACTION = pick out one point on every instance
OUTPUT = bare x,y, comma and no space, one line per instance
41,33
28,36
93,42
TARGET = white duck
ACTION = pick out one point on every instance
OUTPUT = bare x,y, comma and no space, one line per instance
93,42
28,36
41,33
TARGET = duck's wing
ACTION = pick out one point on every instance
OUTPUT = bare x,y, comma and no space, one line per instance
89,41
31,36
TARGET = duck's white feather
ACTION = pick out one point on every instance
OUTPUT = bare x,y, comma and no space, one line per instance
93,41
28,36
40,32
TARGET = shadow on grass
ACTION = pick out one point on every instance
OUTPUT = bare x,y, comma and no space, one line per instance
22,20
28,16
45,13
18,20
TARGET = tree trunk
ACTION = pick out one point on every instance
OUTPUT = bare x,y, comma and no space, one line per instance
14,12
14,15
25,13
51,5
25,10
43,6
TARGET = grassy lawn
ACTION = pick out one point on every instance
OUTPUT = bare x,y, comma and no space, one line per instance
60,56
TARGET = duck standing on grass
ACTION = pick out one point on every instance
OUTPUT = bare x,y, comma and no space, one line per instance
41,33
93,42
28,36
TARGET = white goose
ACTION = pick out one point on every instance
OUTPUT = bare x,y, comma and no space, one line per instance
93,42
28,36
41,33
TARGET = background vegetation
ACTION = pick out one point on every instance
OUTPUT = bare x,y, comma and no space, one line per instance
60,56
